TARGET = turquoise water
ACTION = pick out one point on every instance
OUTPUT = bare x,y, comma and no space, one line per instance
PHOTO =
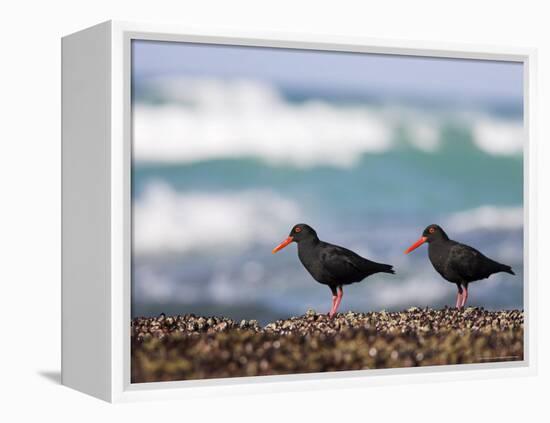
449,180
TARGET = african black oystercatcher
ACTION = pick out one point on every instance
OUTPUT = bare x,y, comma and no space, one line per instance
330,264
456,262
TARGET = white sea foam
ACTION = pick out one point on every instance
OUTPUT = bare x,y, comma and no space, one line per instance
204,119
486,217
420,291
499,137
166,220
424,135
209,119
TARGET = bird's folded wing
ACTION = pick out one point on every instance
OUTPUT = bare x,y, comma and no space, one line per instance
338,261
465,261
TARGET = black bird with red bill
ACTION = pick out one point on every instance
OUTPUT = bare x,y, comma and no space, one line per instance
330,264
456,262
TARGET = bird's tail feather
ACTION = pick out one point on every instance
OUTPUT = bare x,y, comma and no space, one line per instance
386,268
507,269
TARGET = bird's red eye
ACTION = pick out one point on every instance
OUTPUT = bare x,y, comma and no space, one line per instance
297,229
431,230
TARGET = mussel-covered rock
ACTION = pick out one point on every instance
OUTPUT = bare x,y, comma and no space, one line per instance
191,347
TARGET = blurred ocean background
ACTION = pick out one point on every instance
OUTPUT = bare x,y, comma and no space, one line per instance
233,145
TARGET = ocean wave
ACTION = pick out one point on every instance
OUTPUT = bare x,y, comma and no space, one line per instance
498,136
228,120
486,217
420,291
202,119
165,220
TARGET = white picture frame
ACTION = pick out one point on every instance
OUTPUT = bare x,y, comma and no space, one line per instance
96,212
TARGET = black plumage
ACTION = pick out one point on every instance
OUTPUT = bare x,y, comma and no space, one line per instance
330,264
458,263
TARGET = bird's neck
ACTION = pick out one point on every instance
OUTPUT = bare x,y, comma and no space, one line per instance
309,243
438,243
442,238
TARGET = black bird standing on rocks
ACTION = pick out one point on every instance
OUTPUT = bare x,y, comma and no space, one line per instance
456,262
330,264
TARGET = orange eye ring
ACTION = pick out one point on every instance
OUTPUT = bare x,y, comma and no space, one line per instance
431,230
298,229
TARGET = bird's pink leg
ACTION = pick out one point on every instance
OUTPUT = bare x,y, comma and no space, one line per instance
458,300
464,297
338,301
331,312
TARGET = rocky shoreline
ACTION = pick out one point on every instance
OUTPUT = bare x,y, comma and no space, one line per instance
193,347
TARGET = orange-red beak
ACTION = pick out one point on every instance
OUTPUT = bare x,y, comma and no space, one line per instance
417,244
282,245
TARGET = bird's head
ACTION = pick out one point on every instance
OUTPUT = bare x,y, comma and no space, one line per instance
430,234
299,232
